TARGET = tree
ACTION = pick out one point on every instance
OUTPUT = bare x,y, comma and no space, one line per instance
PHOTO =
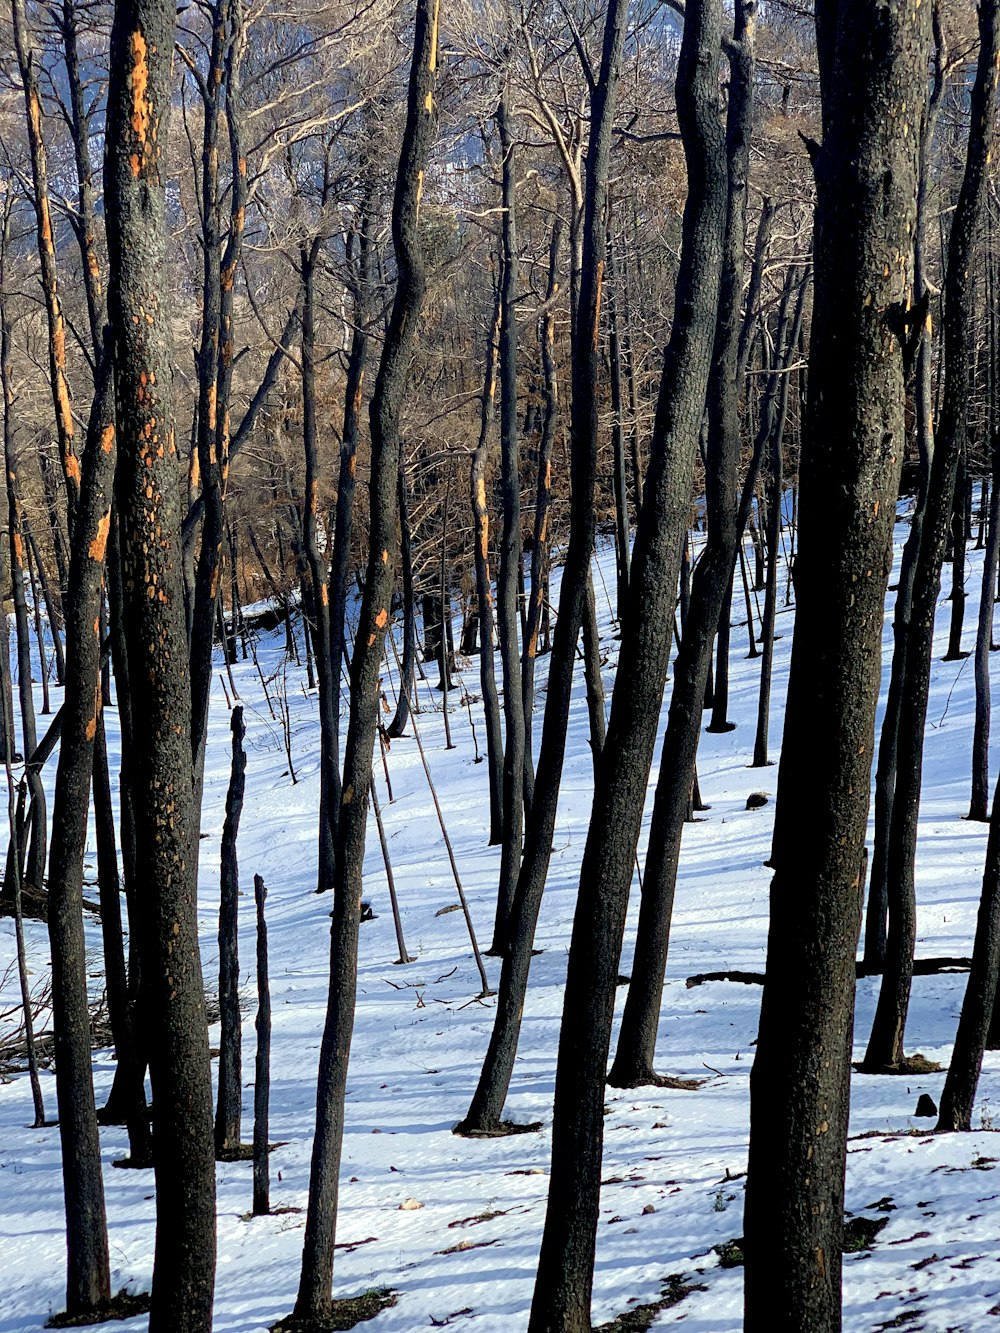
314,1300
637,1040
872,79
161,776
565,1269
885,1046
486,1107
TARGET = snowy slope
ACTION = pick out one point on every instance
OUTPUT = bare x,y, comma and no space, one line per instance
672,1159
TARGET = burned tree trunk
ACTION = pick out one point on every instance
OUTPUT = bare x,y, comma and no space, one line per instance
262,1067
565,1269
229,1105
161,778
634,1059
491,1092
313,1301
885,1046
484,590
89,1285
510,546
34,869
407,667
344,523
28,66
872,77
543,498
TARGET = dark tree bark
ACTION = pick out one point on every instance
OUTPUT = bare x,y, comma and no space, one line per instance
484,590
592,678
161,778
406,671
777,411
543,498
127,1100
262,1067
564,1280
329,685
34,867
446,652
959,1093
885,771
229,1106
959,537
220,93
634,1059
885,1046
89,1281
28,66
50,488
508,618
984,642
494,1080
36,613
622,525
313,1301
359,255
52,611
872,76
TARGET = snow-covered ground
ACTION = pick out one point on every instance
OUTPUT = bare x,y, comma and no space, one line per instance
672,1160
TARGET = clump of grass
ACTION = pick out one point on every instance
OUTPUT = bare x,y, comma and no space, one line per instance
123,1306
346,1313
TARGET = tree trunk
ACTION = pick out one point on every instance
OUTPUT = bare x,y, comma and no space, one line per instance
220,92
563,1284
959,541
885,1046
959,1093
406,671
487,1103
314,1295
52,612
984,641
484,591
229,1106
872,72
129,1087
36,613
508,618
347,479
677,780
34,869
89,1281
262,1067
28,66
329,685
622,525
162,785
543,498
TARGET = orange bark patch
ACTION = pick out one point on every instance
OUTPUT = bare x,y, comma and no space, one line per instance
108,438
597,303
382,619
141,113
91,729
99,545
432,62
71,466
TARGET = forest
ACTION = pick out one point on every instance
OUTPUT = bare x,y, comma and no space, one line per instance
498,578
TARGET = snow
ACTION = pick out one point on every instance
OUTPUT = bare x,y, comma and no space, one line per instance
672,1160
